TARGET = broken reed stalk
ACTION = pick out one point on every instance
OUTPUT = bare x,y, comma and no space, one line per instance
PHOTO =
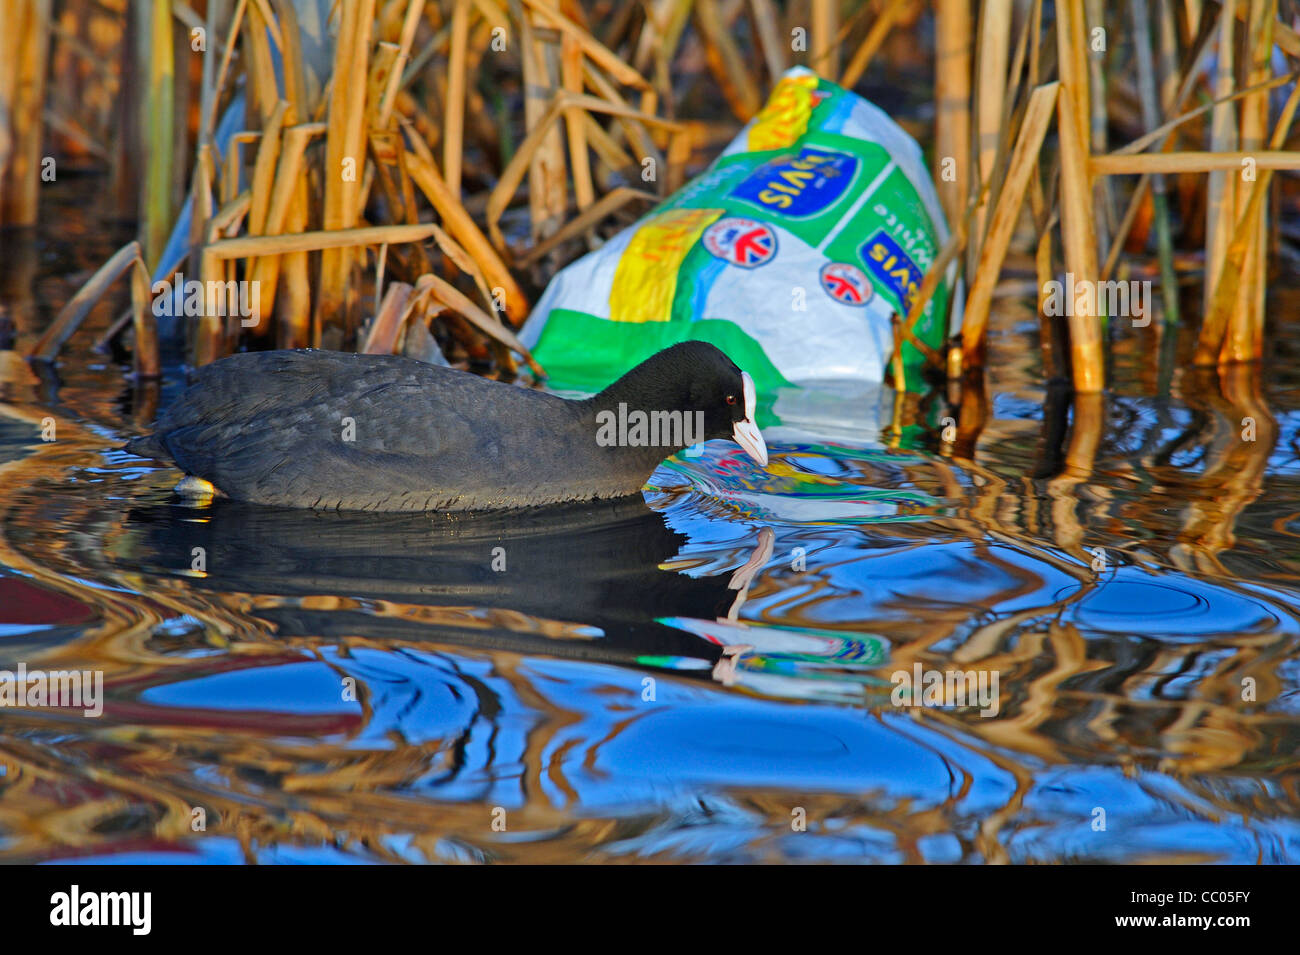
70,317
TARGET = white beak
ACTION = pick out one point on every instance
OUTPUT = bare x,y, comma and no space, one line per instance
746,432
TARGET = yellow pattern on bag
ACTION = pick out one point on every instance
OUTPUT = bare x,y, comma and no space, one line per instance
784,118
645,280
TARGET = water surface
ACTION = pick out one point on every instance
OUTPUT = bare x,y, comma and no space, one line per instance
702,674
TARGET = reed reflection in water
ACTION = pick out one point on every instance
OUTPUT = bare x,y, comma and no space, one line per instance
682,677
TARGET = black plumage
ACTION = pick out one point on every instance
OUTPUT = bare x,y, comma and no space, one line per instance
323,429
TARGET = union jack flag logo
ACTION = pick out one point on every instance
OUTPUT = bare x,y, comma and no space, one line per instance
845,283
742,242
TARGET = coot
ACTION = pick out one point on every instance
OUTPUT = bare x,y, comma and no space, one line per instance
323,429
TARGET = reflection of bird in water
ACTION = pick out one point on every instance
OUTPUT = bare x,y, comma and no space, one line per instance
724,671
593,567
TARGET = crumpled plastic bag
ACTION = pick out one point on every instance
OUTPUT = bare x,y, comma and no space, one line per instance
790,253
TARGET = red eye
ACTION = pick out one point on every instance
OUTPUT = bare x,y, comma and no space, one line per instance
731,399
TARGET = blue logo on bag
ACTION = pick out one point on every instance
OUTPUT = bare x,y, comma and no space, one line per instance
799,185
889,263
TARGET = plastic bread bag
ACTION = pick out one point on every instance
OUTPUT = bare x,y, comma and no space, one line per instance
791,252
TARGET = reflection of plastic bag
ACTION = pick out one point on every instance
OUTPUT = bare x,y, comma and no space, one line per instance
790,253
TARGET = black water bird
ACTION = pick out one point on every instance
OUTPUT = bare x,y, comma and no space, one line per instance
322,429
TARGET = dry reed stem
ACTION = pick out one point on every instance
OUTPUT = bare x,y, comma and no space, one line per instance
284,194
463,228
1098,116
246,245
1224,302
461,259
726,62
1160,132
990,90
233,164
385,74
344,156
454,105
571,76
605,206
409,26
1194,162
25,45
680,148
208,121
200,202
824,24
450,296
607,150
547,180
952,75
1220,202
513,174
145,355
594,50
768,29
1150,107
263,8
1024,158
637,136
1231,278
155,205
259,66
268,155
871,42
382,336
293,68
1245,334
1284,36
1077,233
